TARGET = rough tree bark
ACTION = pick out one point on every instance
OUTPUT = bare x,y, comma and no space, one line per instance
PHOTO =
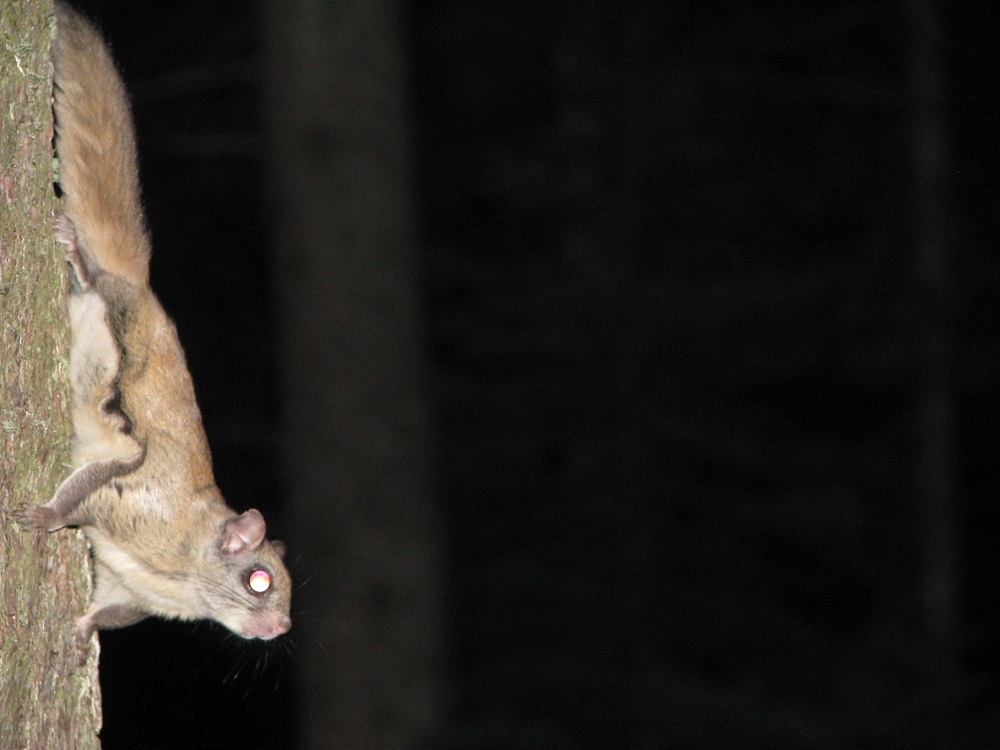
47,700
367,617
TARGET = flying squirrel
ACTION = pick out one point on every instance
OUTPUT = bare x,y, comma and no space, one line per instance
164,541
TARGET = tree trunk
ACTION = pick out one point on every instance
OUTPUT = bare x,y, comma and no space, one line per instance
364,533
935,404
46,699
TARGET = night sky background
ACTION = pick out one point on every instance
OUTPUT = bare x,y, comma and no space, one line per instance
677,341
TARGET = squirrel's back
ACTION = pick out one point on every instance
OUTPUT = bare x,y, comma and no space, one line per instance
95,142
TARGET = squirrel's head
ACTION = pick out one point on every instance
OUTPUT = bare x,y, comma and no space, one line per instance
252,591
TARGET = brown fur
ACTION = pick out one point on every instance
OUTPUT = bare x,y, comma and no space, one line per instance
164,540
97,154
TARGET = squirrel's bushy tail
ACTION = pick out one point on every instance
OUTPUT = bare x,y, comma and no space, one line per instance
98,171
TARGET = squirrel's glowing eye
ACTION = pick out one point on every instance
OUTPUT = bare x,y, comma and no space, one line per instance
259,581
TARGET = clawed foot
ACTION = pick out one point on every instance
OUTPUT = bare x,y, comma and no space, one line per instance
38,517
66,235
65,232
82,635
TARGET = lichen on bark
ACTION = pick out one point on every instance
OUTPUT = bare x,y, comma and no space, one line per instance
47,699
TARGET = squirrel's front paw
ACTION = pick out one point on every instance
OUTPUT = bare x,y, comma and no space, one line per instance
38,517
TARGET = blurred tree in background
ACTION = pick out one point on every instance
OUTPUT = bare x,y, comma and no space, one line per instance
356,430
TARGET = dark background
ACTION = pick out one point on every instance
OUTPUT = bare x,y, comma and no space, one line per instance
680,342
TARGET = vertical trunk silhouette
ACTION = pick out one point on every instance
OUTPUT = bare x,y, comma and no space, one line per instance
935,405
364,535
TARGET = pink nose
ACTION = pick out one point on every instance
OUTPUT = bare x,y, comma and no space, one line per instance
268,626
282,625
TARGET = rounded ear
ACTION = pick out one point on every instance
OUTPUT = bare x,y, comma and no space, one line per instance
246,531
279,547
